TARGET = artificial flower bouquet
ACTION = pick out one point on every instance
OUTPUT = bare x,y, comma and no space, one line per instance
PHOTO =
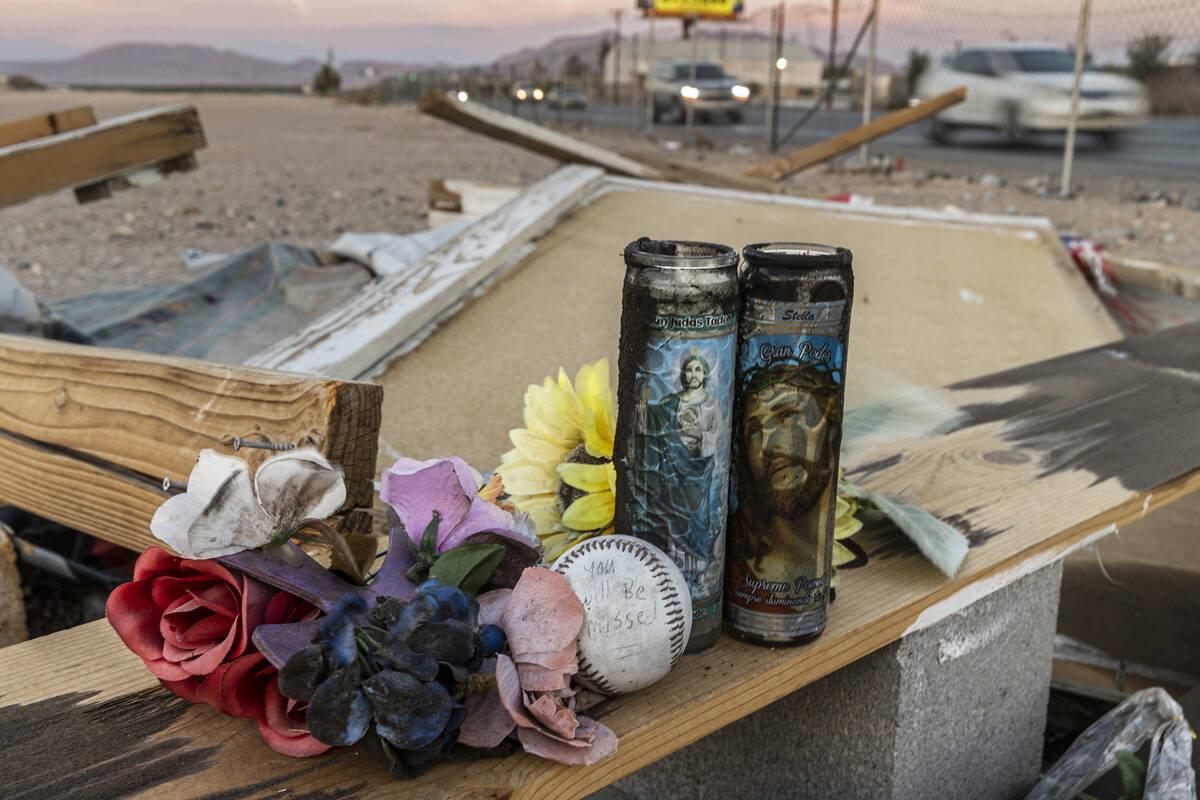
460,637
456,639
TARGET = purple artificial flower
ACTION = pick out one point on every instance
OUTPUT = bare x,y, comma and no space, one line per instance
415,489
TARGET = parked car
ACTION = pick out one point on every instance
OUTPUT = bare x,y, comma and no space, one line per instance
712,94
526,93
1022,88
567,97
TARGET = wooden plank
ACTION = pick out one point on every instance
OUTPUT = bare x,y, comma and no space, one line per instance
85,424
39,125
386,316
781,168
514,130
86,155
1049,457
691,174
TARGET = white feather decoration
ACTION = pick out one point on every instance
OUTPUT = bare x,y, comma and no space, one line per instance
914,412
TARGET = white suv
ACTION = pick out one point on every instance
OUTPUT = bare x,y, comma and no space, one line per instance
1020,88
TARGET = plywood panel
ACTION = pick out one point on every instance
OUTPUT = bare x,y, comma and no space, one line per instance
935,302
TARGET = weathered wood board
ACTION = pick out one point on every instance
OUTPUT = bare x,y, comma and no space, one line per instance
1049,457
116,145
387,315
48,124
937,300
531,136
814,154
87,434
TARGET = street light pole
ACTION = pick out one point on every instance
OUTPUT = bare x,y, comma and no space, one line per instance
869,88
1085,13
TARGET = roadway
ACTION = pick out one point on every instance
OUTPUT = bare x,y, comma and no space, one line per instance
1165,147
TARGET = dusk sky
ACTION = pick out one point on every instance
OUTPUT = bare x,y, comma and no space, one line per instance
451,30
478,31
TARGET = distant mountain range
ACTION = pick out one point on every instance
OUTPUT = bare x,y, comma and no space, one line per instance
186,64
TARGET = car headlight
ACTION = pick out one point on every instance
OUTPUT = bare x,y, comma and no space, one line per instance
521,94
689,92
538,94
740,92
463,97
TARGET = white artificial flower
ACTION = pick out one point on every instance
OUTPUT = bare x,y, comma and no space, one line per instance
222,513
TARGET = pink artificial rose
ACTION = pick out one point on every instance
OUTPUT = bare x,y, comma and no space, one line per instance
541,618
191,621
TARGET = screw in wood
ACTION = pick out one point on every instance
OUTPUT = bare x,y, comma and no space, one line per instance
169,484
239,443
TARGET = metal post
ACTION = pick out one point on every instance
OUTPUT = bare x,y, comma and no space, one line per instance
833,76
562,87
869,88
690,107
650,76
1085,13
633,95
772,78
616,96
778,74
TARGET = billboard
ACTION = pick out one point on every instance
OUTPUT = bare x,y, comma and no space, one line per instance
702,9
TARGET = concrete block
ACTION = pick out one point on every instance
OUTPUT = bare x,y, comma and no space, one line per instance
952,711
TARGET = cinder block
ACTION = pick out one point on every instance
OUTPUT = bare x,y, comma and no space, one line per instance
956,710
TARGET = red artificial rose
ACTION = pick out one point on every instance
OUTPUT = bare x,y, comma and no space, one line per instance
191,621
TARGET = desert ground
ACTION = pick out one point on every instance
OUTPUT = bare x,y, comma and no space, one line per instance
305,169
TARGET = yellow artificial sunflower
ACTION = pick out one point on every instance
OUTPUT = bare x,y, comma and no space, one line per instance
845,525
560,470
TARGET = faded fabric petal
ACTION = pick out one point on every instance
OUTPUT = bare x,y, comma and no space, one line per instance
491,606
576,753
508,688
416,495
554,659
586,477
299,484
543,614
539,679
488,722
481,516
557,718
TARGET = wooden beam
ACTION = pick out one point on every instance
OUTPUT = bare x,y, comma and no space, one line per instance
90,432
1048,458
89,154
781,168
389,316
675,172
37,126
531,136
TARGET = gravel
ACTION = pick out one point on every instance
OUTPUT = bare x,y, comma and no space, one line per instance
305,170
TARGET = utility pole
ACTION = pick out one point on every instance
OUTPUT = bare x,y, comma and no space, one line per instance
869,87
1085,13
650,76
772,80
832,66
634,106
617,12
777,68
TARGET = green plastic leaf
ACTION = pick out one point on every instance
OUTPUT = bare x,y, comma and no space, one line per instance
1133,774
429,538
467,566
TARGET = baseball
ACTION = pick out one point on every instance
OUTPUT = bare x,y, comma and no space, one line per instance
637,612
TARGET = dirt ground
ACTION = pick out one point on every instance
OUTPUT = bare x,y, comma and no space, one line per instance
304,170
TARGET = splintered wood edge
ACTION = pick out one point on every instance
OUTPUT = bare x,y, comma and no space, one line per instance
348,341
